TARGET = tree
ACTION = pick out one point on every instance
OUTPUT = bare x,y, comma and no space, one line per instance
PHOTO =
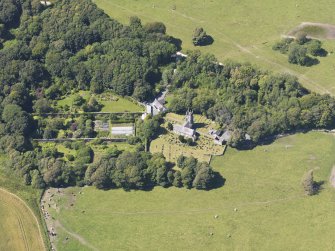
78,100
298,55
158,170
101,178
181,139
42,106
308,183
37,180
314,47
135,22
301,38
200,37
155,27
17,121
9,11
170,126
181,161
177,181
204,178
187,176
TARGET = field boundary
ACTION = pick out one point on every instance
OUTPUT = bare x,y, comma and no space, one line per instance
31,212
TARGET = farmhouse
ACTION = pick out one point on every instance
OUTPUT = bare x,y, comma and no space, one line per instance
156,107
186,129
220,137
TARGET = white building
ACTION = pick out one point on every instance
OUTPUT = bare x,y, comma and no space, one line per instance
123,130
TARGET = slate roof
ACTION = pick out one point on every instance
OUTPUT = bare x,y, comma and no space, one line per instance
184,130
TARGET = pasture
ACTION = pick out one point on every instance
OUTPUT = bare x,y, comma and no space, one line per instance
261,206
242,30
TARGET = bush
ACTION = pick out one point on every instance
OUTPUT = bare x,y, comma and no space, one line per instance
69,157
182,139
283,45
314,47
155,27
298,55
308,183
200,37
301,38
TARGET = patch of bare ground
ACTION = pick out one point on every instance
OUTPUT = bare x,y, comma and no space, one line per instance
332,177
51,200
314,30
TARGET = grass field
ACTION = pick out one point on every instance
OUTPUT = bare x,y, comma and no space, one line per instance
242,30
262,184
19,229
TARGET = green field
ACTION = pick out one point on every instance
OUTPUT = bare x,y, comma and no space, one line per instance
242,30
119,104
263,185
19,228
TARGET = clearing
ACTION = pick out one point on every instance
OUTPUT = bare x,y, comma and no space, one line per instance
262,206
242,30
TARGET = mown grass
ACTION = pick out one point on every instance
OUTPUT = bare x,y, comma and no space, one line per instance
120,104
260,207
242,30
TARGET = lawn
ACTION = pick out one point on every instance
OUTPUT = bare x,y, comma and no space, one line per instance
242,30
260,207
19,229
110,102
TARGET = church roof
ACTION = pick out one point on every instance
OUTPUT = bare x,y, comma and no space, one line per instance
184,130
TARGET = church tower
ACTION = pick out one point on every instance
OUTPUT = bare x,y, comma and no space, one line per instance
189,119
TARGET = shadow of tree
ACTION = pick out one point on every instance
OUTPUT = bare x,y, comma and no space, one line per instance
318,186
311,61
322,53
217,182
207,40
176,41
